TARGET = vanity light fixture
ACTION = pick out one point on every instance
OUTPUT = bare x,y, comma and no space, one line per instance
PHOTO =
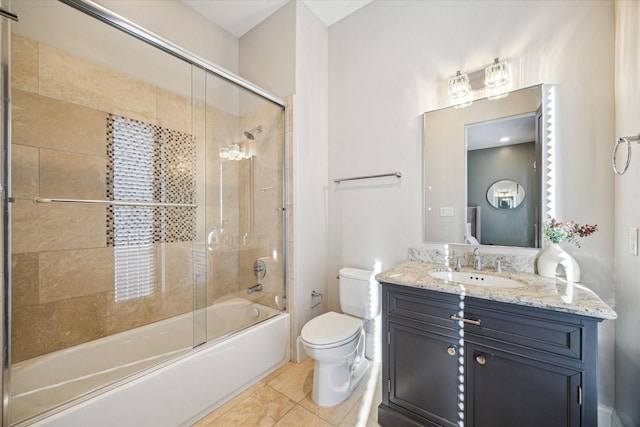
497,77
460,90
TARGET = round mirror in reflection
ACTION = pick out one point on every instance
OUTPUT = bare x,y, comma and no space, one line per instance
505,194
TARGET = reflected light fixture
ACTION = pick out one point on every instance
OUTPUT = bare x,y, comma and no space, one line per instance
460,90
232,152
497,77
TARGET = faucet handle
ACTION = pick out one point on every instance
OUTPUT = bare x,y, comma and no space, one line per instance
477,262
447,259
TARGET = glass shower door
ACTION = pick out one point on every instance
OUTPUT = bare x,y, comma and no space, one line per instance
244,199
101,289
148,206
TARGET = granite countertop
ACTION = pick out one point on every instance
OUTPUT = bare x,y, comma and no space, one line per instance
541,292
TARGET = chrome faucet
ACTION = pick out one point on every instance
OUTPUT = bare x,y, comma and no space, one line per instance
477,262
498,265
254,288
453,257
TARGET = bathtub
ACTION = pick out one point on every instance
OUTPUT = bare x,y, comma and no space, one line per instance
181,384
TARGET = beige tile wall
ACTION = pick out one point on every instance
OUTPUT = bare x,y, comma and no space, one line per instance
64,76
266,149
63,275
63,272
251,195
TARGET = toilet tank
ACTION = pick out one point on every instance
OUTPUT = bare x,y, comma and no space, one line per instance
359,293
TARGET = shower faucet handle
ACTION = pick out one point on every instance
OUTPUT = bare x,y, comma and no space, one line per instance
259,269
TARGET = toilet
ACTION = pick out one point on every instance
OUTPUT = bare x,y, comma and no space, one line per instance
336,341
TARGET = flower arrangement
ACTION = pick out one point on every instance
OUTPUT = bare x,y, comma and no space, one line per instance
557,231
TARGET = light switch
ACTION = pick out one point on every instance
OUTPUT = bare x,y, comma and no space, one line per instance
633,241
446,211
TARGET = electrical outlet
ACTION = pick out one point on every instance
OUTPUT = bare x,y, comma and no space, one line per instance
633,241
446,211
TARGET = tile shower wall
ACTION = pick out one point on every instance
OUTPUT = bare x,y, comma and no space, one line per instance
267,165
63,274
248,202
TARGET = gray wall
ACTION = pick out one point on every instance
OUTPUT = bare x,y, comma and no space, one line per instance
504,227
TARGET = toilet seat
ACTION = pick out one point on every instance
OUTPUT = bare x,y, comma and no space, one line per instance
330,330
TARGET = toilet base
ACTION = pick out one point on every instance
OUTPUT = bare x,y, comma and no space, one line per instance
333,383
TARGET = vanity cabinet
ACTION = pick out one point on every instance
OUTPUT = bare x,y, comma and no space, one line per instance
503,365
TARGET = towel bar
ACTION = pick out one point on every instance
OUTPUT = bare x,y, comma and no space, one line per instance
396,174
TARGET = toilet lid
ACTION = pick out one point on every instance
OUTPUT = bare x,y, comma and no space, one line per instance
330,328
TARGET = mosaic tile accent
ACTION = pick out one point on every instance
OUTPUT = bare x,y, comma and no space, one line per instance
149,163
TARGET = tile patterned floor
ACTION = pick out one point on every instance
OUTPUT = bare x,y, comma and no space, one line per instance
283,399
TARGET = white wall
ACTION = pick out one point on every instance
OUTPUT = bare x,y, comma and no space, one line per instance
268,52
310,151
287,54
387,65
627,206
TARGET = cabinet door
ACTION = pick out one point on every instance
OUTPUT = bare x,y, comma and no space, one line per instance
423,375
505,390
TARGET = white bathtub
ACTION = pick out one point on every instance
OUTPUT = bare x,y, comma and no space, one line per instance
174,394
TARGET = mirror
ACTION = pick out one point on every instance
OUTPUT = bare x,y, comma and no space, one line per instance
473,155
505,194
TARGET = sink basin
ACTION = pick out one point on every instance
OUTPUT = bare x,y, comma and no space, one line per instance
473,278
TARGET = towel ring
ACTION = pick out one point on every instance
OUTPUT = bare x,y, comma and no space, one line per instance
627,140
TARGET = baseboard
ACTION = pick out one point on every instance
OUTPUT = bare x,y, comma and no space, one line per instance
300,353
615,420
604,416
607,417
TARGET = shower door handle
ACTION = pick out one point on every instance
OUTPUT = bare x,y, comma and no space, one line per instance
115,203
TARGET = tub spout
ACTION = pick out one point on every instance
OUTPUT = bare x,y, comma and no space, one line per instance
255,288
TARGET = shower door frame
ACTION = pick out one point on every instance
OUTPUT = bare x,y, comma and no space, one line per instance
105,15
5,209
117,21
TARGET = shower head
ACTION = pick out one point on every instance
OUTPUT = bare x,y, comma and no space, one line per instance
251,133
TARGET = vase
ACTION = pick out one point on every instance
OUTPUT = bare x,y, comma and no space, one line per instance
553,256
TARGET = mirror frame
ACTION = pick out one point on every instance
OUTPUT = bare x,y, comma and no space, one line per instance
547,174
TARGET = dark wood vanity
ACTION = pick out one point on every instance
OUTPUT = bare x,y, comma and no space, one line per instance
501,365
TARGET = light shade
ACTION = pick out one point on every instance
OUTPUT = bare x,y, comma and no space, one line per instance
460,90
497,78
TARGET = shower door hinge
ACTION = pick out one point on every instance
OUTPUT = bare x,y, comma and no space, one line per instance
389,337
389,386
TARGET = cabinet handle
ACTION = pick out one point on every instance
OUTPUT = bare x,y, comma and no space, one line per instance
462,319
451,350
481,359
